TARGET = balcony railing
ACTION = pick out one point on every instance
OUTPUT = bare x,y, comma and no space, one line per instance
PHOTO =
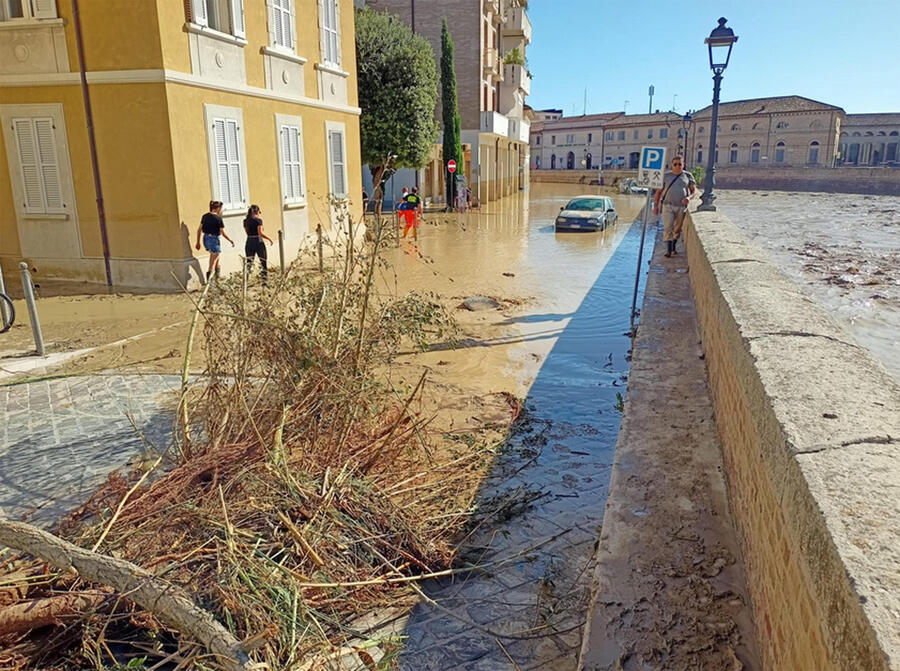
491,61
492,122
519,130
517,24
517,76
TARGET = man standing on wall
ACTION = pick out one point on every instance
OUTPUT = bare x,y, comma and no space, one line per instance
674,198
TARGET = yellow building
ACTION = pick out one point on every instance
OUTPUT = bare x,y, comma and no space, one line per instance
243,101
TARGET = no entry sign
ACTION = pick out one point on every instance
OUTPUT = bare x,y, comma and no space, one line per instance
451,165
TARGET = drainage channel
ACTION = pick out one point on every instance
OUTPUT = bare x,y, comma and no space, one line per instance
546,496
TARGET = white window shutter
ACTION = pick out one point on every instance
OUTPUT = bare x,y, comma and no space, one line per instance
29,165
199,14
49,164
336,141
275,21
43,9
337,32
221,161
296,182
292,26
286,163
232,145
237,18
323,34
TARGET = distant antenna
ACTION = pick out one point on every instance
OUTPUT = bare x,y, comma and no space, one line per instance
584,109
674,96
650,110
625,107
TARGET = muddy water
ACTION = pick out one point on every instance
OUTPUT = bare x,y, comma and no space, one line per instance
842,249
510,251
540,509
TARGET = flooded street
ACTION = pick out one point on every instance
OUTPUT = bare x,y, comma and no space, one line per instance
843,250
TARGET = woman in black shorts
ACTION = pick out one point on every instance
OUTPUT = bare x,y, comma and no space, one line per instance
255,246
212,227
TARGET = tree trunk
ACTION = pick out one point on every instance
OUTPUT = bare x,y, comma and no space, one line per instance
166,601
33,613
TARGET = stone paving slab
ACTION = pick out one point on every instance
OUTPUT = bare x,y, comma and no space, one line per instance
527,614
60,438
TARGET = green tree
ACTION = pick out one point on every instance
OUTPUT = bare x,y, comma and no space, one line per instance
450,108
398,90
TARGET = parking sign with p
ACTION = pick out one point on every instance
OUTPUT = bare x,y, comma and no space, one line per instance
652,167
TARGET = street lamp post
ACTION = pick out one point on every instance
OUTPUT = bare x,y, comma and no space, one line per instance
720,42
684,148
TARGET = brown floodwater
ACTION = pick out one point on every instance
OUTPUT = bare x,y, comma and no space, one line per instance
843,250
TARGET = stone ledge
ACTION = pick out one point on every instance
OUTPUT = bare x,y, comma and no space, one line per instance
810,429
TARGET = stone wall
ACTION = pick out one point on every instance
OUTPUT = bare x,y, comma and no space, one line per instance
809,426
881,181
610,177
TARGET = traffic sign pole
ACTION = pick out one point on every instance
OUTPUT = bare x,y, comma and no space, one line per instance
650,174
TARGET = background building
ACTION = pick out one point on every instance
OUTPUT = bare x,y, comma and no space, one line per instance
192,100
870,139
490,39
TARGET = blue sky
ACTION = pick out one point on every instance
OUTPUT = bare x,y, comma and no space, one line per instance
836,51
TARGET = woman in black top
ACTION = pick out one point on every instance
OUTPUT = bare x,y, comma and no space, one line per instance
212,226
253,225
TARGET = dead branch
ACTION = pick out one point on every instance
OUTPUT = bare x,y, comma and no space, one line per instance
166,601
33,613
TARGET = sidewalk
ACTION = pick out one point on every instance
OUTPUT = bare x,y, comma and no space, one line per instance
669,584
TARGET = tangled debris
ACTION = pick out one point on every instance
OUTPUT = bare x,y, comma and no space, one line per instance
305,489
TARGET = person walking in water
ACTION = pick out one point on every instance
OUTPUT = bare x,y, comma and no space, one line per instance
212,228
255,246
674,198
412,212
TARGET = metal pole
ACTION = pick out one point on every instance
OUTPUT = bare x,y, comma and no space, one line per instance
319,246
28,289
637,275
281,248
709,183
4,315
92,142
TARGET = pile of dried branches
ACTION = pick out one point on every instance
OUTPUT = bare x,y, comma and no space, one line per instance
304,490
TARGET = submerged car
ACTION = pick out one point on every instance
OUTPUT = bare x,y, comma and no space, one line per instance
587,213
630,186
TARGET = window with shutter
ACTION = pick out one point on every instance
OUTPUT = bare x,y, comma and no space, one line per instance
338,166
43,9
38,165
237,18
331,51
282,23
199,12
227,143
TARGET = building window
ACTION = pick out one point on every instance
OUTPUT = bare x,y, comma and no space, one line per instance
733,154
228,169
226,16
538,139
813,152
38,161
700,155
702,129
663,133
779,152
590,137
290,155
552,139
537,162
570,139
337,162
636,134
281,23
621,135
27,9
782,124
330,31
754,152
756,126
649,133
735,127
553,162
609,135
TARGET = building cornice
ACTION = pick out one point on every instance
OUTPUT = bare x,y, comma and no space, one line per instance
170,77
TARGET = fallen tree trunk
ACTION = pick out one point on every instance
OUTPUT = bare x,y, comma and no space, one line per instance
33,613
166,601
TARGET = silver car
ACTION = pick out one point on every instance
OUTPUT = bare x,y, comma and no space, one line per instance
587,213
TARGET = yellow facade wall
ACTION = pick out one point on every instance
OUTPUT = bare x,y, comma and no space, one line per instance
194,183
118,34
